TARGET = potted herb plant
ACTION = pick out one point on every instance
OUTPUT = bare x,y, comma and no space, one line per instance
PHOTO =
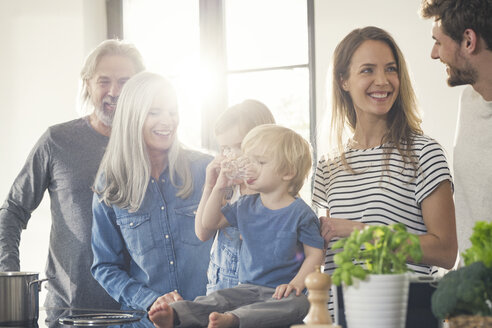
372,268
464,296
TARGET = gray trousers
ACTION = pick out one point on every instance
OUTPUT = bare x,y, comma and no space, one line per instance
253,305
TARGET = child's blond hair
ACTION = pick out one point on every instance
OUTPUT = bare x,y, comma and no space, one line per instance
290,152
244,116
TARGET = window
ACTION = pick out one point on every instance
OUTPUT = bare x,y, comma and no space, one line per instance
220,52
267,57
167,33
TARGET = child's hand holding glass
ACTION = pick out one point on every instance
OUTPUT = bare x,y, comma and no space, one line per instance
238,167
213,171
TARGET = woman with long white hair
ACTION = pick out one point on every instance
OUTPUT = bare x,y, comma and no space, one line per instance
147,191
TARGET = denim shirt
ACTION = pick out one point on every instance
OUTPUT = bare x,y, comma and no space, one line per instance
142,255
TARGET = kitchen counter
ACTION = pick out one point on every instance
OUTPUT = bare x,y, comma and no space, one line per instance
418,314
55,313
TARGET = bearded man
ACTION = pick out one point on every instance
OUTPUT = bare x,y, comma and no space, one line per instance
65,161
462,31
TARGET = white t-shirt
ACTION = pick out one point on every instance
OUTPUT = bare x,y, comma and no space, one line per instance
472,164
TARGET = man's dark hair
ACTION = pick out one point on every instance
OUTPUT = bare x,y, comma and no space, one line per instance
458,15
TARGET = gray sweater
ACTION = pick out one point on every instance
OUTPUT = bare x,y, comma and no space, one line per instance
64,161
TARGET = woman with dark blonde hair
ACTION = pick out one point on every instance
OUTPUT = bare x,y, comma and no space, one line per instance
146,194
384,170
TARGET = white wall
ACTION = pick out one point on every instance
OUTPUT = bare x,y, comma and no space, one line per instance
43,46
438,102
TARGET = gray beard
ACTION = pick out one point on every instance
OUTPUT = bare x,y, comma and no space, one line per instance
106,118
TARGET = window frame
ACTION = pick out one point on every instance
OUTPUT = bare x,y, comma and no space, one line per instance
213,54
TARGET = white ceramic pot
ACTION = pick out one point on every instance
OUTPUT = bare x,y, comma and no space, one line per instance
378,301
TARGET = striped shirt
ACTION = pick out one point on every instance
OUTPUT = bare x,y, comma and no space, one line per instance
381,190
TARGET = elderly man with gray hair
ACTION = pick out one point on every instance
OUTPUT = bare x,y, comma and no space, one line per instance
65,161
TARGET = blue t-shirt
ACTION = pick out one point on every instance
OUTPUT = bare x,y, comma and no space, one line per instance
272,252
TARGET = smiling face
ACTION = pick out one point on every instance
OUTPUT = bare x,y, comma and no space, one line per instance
448,51
373,82
161,123
105,86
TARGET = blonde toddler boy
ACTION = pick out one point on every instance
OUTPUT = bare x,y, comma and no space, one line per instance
280,233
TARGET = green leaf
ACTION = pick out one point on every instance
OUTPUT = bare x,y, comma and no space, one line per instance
364,236
481,249
368,246
382,249
336,279
347,278
378,232
351,247
358,272
347,266
338,244
338,259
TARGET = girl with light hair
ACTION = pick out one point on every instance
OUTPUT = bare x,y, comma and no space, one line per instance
147,191
230,129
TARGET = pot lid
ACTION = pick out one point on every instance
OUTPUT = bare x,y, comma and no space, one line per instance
100,319
17,274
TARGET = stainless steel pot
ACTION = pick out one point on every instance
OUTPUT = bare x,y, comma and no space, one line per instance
19,297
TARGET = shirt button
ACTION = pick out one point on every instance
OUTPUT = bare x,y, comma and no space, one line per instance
172,262
167,236
162,208
131,224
